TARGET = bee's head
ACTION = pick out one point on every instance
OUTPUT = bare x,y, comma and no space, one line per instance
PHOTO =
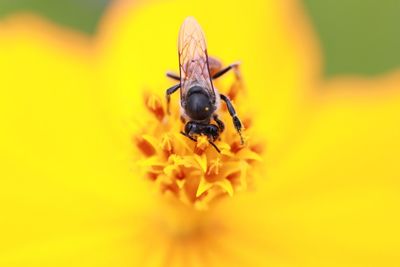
198,105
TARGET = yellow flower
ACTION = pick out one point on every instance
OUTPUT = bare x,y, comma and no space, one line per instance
325,194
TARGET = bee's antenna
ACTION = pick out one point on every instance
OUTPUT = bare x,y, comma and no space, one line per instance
188,136
194,140
215,146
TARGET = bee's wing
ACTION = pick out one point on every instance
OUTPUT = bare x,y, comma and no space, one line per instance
193,59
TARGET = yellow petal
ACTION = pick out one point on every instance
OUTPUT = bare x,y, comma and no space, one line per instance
203,186
226,186
332,200
331,195
202,162
66,173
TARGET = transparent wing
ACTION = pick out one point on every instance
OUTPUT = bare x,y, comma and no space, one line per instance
193,59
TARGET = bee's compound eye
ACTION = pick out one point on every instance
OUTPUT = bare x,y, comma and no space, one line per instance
199,106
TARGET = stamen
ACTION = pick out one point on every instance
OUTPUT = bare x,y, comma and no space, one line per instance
154,104
192,171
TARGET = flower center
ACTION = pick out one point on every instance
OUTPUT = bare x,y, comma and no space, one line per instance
195,173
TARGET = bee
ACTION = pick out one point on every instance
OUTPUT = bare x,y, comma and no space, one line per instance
199,99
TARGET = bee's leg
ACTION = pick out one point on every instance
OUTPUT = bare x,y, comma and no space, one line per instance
173,76
235,119
234,66
237,85
169,92
220,124
215,146
190,127
214,64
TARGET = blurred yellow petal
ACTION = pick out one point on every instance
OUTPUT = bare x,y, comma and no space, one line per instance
333,200
66,179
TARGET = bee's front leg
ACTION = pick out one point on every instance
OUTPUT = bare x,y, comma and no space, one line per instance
190,129
235,118
169,92
220,123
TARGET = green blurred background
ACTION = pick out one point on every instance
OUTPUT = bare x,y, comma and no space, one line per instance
359,37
